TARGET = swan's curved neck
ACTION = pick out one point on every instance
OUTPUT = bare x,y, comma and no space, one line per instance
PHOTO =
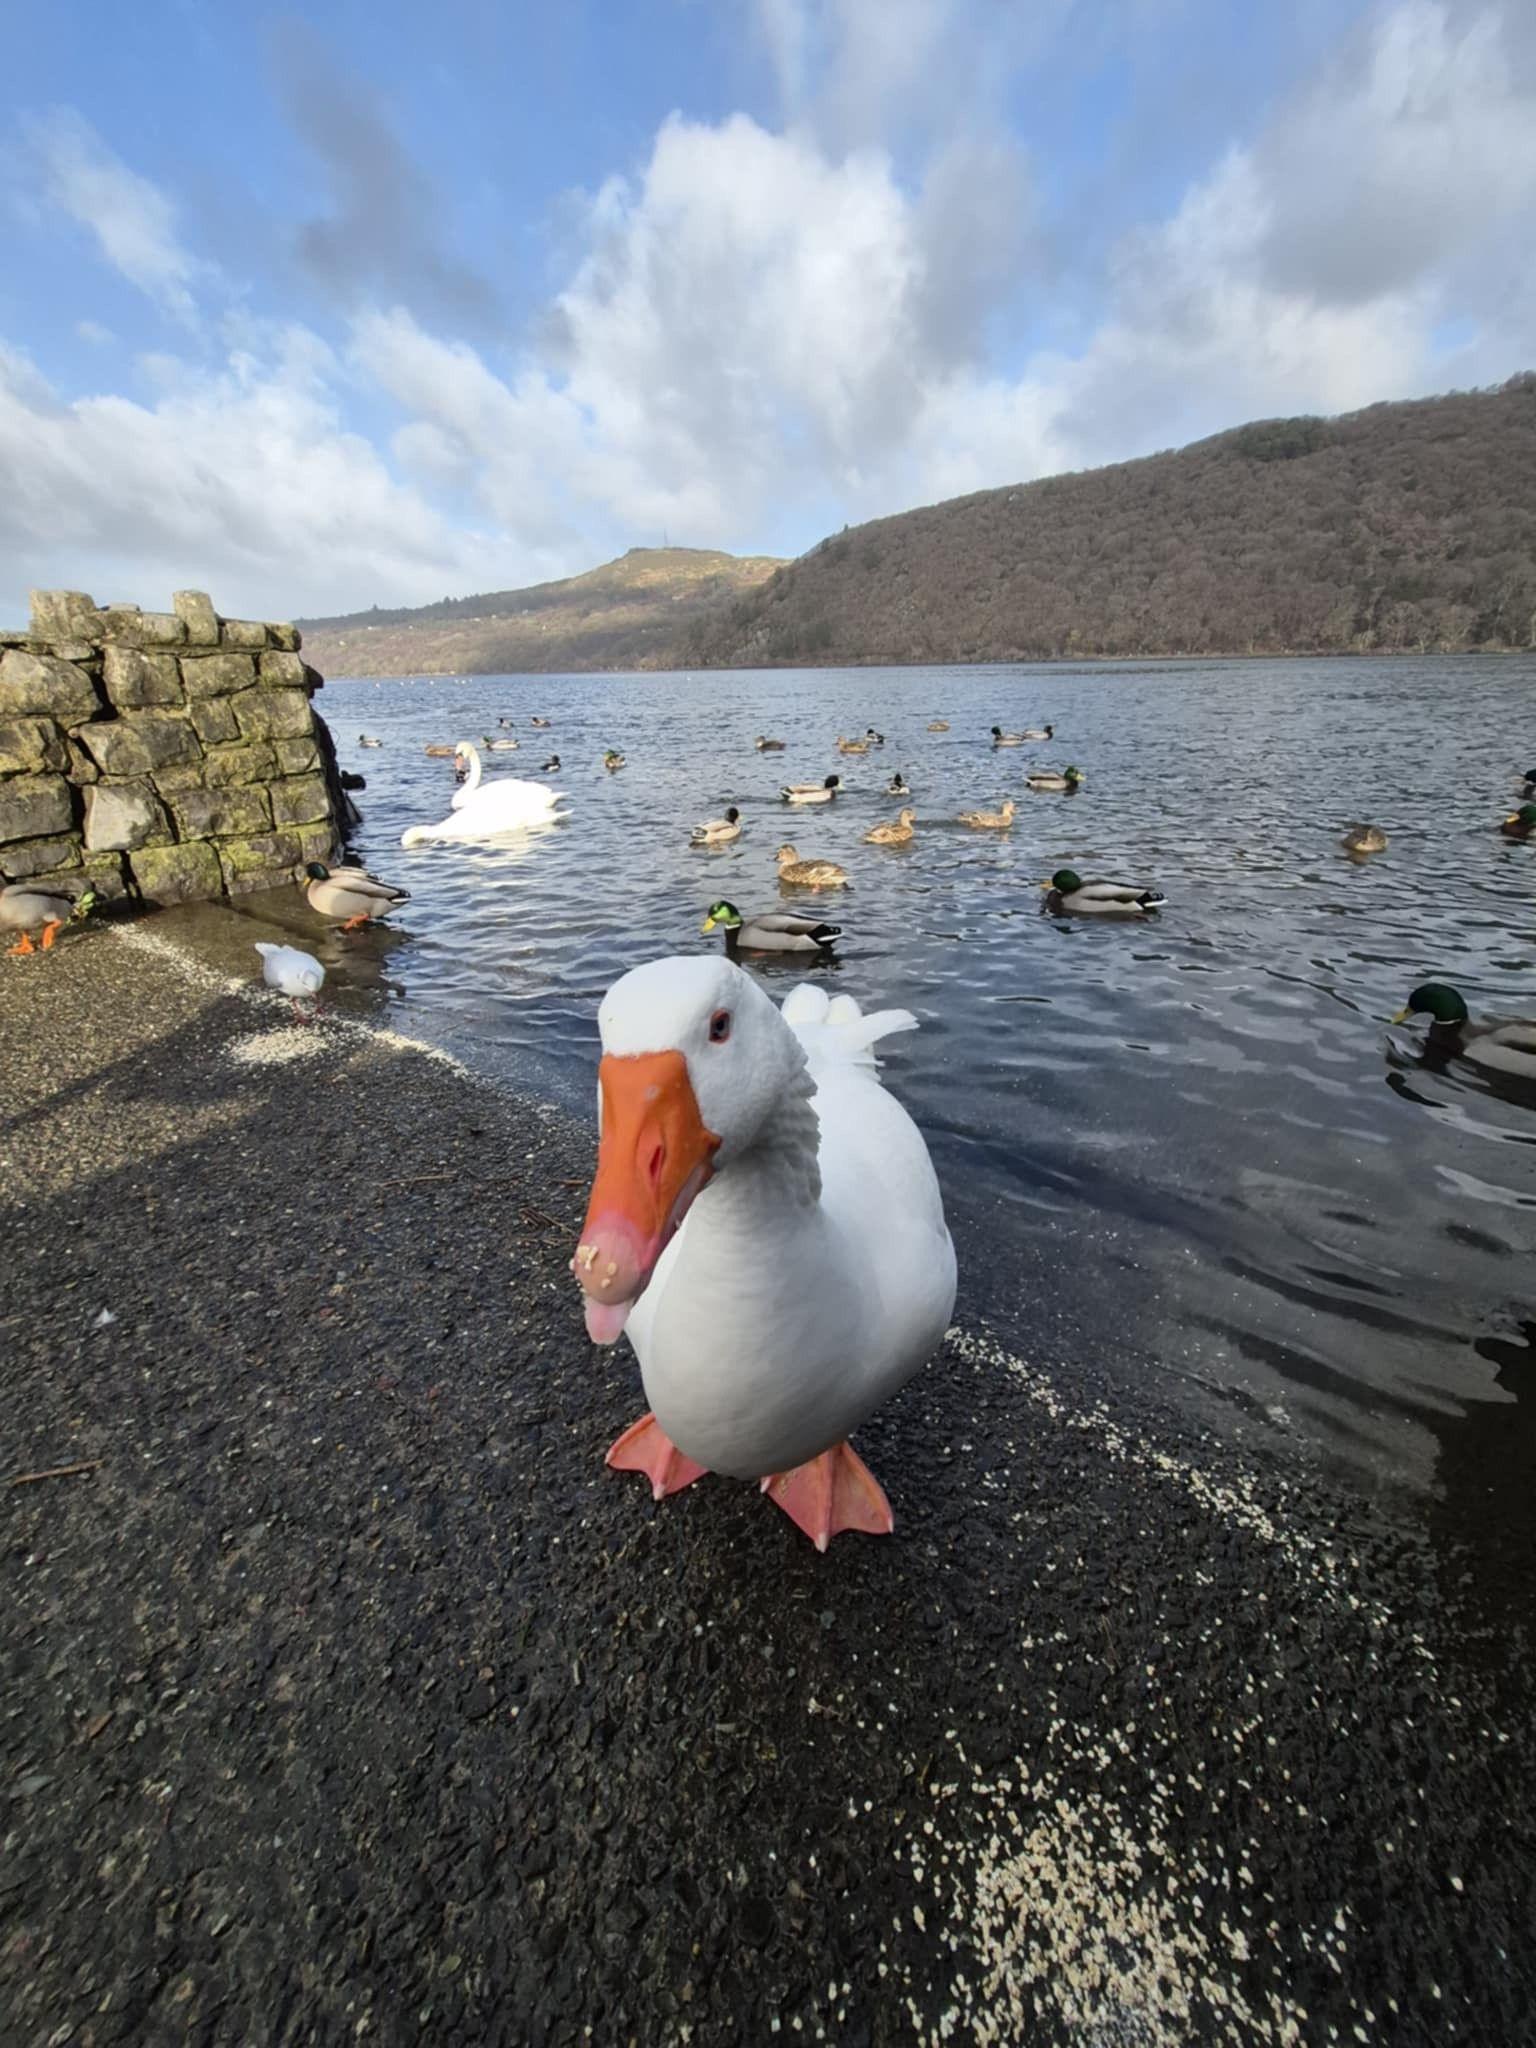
472,780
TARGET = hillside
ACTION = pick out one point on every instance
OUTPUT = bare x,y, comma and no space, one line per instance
1406,526
626,614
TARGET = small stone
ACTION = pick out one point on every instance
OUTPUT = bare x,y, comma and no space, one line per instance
282,671
479,1700
29,744
122,815
23,860
195,610
43,683
134,679
34,805
301,800
217,675
201,813
273,714
176,874
64,615
242,633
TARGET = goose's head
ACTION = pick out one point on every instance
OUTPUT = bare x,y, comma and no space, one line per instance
695,1058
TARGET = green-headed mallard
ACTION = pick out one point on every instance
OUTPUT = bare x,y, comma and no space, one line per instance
1070,779
1039,732
1508,1043
764,745
718,831
44,907
1006,739
873,738
892,835
366,740
1520,824
613,760
990,821
770,931
493,745
1529,779
811,792
350,893
809,874
898,785
1364,839
551,766
539,724
1068,895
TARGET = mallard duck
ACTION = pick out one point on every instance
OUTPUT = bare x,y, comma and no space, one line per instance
509,721
551,766
770,931
293,974
938,725
990,821
1070,779
613,760
718,830
363,740
767,746
852,746
350,893
892,835
1520,824
873,738
1068,895
539,724
809,874
1508,1043
1364,839
898,785
493,745
440,753
1039,732
772,1314
43,907
1006,739
1529,779
811,792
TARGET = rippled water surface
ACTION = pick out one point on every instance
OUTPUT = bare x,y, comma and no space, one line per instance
1191,1150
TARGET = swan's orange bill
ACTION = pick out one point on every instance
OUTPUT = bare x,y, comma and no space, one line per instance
653,1158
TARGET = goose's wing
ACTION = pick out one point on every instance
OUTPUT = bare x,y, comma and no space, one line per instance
835,1031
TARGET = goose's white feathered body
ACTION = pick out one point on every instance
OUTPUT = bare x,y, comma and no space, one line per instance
814,1273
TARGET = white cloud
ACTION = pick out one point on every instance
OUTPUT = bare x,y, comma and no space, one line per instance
132,220
242,482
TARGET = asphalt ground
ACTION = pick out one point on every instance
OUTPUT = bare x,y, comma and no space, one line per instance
347,1695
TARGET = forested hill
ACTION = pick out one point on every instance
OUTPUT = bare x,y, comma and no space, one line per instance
1406,526
626,614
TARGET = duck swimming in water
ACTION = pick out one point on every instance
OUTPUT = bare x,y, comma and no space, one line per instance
1507,1043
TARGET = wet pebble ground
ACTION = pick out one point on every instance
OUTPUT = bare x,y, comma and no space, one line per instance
347,1696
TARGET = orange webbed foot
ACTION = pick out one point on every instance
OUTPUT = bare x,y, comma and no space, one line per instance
831,1493
354,923
646,1447
23,944
51,932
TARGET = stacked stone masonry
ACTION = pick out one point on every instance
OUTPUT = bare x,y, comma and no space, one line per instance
159,755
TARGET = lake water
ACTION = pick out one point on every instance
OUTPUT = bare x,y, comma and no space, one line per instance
1189,1153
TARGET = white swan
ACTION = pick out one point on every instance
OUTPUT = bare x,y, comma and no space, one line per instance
766,1224
482,810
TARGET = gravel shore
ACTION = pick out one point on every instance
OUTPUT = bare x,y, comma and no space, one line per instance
347,1695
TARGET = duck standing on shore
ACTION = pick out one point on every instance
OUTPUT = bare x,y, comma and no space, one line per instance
41,907
766,1225
351,894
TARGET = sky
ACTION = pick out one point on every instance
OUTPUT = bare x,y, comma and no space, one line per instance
377,305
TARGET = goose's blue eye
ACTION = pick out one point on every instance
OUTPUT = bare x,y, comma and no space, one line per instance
720,1027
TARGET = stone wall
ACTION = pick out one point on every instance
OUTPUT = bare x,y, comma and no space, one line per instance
160,755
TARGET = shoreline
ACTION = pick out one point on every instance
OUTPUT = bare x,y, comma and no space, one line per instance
357,1696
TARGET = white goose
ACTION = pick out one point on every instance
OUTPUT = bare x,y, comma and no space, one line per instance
742,1146
481,810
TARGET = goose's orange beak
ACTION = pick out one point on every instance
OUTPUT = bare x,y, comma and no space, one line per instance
652,1160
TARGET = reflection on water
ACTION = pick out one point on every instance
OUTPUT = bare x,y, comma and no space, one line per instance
1189,1150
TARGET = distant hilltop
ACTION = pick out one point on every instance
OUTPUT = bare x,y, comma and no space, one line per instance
1404,528
630,613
